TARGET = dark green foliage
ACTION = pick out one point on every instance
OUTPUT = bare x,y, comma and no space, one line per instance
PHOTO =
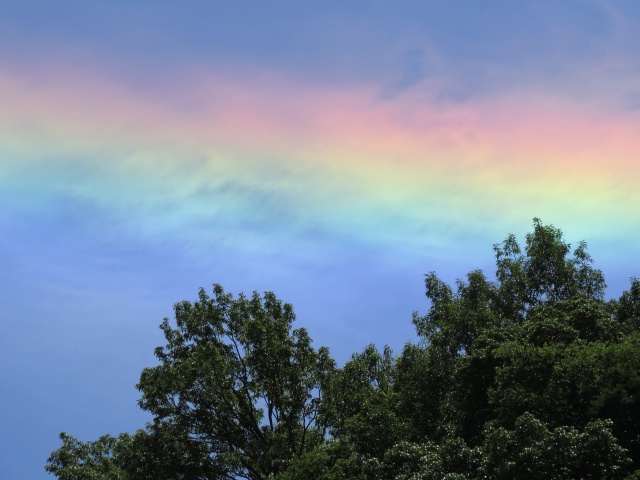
628,308
239,382
532,375
359,404
75,460
532,451
236,394
159,452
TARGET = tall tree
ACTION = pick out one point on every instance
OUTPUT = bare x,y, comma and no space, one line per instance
235,382
531,375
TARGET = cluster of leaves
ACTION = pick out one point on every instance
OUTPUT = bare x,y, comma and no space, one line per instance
531,376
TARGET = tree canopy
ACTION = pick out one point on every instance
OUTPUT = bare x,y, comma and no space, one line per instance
530,375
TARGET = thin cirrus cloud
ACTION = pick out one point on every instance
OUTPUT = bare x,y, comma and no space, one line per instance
331,156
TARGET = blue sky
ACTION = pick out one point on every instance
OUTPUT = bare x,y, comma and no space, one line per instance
333,154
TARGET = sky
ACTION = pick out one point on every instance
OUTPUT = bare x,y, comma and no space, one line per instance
331,152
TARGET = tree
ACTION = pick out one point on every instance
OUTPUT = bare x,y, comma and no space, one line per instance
532,451
76,460
236,388
530,375
538,344
155,453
